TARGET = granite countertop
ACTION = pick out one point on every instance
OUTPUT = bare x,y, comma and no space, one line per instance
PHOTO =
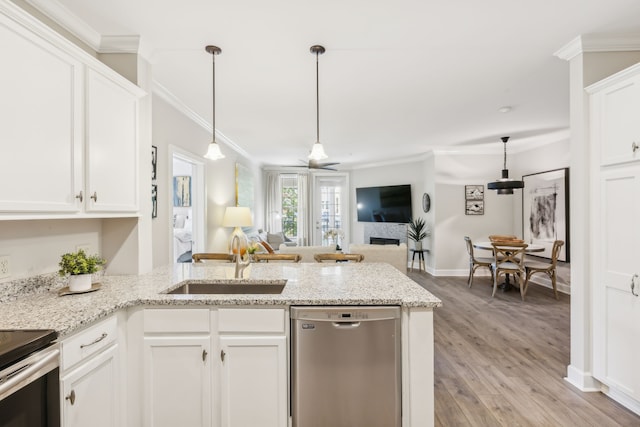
307,284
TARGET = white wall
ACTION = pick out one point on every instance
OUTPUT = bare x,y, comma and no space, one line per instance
396,174
171,127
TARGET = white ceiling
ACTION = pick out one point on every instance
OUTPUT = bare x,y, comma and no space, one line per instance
397,79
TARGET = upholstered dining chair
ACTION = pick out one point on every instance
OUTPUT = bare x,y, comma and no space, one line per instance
277,257
476,262
508,258
338,257
549,268
210,256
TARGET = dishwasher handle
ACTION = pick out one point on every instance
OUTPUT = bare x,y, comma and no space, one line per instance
346,325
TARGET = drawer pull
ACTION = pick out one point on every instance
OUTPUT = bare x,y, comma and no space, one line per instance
633,285
97,340
204,355
80,196
71,397
94,197
222,354
634,146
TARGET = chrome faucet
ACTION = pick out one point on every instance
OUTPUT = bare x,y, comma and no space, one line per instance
240,263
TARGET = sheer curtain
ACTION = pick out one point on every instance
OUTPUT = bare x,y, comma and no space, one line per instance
273,202
305,209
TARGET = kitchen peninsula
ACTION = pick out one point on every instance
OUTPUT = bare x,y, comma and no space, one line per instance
147,341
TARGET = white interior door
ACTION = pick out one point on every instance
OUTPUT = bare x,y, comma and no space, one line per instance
330,208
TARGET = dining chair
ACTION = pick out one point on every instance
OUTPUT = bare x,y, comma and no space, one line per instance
338,257
549,268
502,237
277,257
210,256
476,262
508,258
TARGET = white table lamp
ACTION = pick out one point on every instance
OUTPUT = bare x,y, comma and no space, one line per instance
238,217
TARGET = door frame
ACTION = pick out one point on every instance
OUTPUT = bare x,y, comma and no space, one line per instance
198,198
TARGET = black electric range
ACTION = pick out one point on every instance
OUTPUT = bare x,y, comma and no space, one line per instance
16,344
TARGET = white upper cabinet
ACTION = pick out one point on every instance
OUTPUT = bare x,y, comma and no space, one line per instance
41,132
615,110
112,145
69,135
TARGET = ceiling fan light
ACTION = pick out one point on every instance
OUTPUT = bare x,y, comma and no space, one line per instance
317,152
213,152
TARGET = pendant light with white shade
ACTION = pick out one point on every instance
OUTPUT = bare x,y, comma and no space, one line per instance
317,152
213,152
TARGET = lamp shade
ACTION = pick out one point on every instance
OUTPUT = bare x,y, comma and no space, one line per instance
317,152
237,216
214,153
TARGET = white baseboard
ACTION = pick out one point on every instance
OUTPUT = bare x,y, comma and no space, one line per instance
581,380
539,279
623,399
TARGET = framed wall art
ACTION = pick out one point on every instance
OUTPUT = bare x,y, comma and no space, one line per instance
182,191
154,200
545,211
474,192
154,162
474,207
474,199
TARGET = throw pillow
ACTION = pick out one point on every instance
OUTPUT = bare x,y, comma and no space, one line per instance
275,239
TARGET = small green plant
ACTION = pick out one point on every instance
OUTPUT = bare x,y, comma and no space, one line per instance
418,229
75,263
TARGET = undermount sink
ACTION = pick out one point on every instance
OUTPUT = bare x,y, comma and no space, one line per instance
230,286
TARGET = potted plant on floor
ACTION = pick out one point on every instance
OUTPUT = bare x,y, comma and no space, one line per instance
418,231
79,267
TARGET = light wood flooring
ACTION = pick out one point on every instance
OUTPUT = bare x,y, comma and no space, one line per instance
501,362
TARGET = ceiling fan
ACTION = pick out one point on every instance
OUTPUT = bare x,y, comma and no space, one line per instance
314,164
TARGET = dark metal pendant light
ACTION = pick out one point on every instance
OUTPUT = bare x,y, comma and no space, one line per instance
317,152
213,152
505,185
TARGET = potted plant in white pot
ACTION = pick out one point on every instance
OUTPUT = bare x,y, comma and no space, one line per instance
418,231
79,267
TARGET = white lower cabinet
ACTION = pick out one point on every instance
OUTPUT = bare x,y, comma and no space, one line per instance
253,388
177,381
222,367
90,383
90,393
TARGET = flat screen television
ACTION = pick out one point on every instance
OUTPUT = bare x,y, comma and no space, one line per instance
391,203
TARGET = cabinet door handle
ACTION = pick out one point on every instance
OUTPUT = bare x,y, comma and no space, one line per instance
633,285
634,146
222,355
94,197
204,355
71,397
97,340
80,196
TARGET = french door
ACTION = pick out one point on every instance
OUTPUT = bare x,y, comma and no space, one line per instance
331,209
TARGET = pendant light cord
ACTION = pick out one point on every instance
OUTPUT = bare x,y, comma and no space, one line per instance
213,121
505,155
317,100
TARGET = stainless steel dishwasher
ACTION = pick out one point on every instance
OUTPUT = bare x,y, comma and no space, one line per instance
345,366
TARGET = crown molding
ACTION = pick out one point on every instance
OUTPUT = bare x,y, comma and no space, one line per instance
588,43
119,44
62,16
176,103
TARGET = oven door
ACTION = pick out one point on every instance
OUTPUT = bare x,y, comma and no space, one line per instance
30,391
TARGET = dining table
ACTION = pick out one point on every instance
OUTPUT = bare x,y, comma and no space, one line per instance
487,245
